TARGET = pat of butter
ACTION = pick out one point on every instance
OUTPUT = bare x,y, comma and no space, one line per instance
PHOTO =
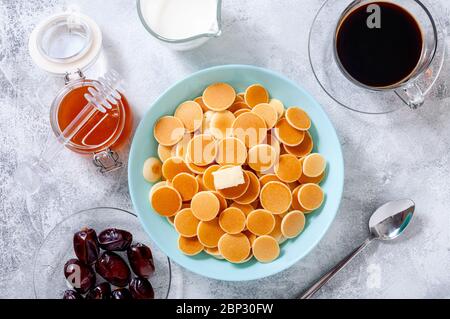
228,177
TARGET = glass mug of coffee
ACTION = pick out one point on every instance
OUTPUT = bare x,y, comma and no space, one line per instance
384,47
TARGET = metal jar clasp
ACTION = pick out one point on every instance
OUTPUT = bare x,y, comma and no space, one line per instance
76,75
107,161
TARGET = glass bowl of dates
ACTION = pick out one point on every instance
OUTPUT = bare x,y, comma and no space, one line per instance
100,253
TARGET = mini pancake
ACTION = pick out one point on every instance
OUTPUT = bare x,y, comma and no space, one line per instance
166,201
314,165
232,220
250,256
293,224
260,222
268,113
262,157
181,146
213,252
241,95
239,105
245,208
278,106
288,169
191,114
236,191
302,149
189,246
200,102
174,166
242,111
264,179
315,180
310,196
152,169
256,94
201,186
276,197
222,200
231,151
295,204
298,118
272,141
266,249
186,185
304,210
219,96
250,129
200,170
205,206
186,223
207,116
209,233
208,178
287,134
155,187
201,150
251,237
276,232
165,152
220,124
252,192
239,98
234,248
168,130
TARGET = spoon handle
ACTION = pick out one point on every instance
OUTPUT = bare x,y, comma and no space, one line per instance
333,271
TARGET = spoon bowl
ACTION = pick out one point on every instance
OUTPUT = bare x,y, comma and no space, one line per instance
391,219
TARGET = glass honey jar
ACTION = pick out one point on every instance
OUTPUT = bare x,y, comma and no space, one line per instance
68,45
103,134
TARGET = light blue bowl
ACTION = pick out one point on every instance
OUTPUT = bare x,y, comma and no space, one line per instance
326,142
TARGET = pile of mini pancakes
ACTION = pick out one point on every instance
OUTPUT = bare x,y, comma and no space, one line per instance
222,129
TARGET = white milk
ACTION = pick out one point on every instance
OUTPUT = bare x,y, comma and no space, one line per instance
180,19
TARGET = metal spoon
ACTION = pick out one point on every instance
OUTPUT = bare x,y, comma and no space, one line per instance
386,223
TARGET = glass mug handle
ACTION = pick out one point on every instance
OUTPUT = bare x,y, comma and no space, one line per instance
412,95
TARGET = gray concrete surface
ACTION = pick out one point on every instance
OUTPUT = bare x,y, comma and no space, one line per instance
403,154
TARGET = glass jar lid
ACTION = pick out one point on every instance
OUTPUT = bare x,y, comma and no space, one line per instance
65,42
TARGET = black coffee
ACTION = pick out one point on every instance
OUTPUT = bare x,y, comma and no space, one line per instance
379,52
